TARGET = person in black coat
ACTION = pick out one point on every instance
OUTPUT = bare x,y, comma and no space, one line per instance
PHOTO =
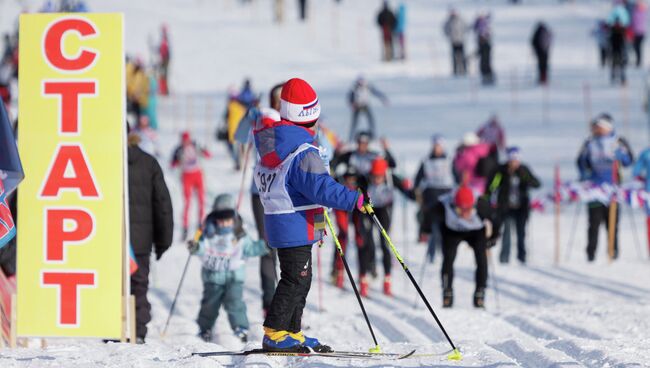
387,21
508,188
541,43
151,224
464,219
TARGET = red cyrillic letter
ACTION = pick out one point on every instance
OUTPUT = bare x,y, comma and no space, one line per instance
53,44
70,95
82,180
68,284
57,236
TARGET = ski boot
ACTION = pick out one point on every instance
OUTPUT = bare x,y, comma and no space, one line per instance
364,287
339,279
206,335
311,343
387,290
447,298
479,298
241,333
282,341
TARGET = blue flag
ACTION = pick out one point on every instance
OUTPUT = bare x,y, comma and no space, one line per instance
11,173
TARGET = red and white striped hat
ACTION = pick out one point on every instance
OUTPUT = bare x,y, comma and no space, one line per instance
299,102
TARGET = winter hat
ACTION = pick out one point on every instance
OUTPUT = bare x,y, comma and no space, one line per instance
350,171
470,139
185,136
224,206
604,121
363,137
513,153
464,198
438,139
299,103
379,167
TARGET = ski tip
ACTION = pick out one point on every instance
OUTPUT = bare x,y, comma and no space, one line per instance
455,355
375,350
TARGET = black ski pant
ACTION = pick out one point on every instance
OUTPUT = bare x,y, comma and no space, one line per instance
355,120
290,296
518,217
268,273
139,288
485,56
542,66
638,49
618,65
598,214
366,250
458,61
384,214
450,241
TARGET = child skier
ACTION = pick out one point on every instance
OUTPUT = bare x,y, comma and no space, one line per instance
381,188
464,219
187,155
294,185
223,248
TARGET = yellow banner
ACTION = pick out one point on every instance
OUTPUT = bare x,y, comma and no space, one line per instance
71,204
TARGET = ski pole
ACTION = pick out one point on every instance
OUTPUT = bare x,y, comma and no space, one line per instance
573,231
197,236
240,196
635,232
455,354
494,278
376,349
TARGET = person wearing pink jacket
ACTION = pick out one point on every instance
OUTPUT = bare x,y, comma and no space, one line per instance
474,162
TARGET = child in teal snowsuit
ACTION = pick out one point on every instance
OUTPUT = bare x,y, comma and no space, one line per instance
223,248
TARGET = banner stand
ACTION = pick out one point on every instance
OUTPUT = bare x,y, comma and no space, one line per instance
132,319
13,336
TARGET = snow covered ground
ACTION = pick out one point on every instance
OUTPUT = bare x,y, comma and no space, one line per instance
577,314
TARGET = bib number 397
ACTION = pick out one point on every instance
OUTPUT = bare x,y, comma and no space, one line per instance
265,181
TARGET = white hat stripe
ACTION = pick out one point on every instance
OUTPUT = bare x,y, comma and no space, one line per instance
299,113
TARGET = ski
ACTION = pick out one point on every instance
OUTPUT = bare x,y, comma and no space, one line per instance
340,355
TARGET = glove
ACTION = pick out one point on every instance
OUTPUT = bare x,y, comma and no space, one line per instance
407,184
192,246
239,227
488,228
360,203
424,238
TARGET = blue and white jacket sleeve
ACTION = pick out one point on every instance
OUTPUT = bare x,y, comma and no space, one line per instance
309,176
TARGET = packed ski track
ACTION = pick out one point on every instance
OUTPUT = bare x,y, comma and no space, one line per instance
538,315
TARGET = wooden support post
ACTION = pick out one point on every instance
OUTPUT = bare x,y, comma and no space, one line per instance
557,215
613,205
132,318
124,318
13,338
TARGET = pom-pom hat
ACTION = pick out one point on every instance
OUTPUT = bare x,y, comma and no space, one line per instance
299,102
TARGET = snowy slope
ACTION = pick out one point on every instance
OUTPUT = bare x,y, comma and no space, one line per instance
578,314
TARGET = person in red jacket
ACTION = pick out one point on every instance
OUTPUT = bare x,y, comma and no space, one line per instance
186,156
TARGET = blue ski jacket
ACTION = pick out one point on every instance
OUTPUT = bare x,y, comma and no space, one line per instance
294,184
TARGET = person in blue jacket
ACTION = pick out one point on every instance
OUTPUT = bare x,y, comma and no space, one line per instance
399,31
641,171
294,186
596,164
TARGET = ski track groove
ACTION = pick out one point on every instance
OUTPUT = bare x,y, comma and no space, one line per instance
530,359
387,329
573,330
590,358
419,323
586,283
535,295
530,329
505,292
600,279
